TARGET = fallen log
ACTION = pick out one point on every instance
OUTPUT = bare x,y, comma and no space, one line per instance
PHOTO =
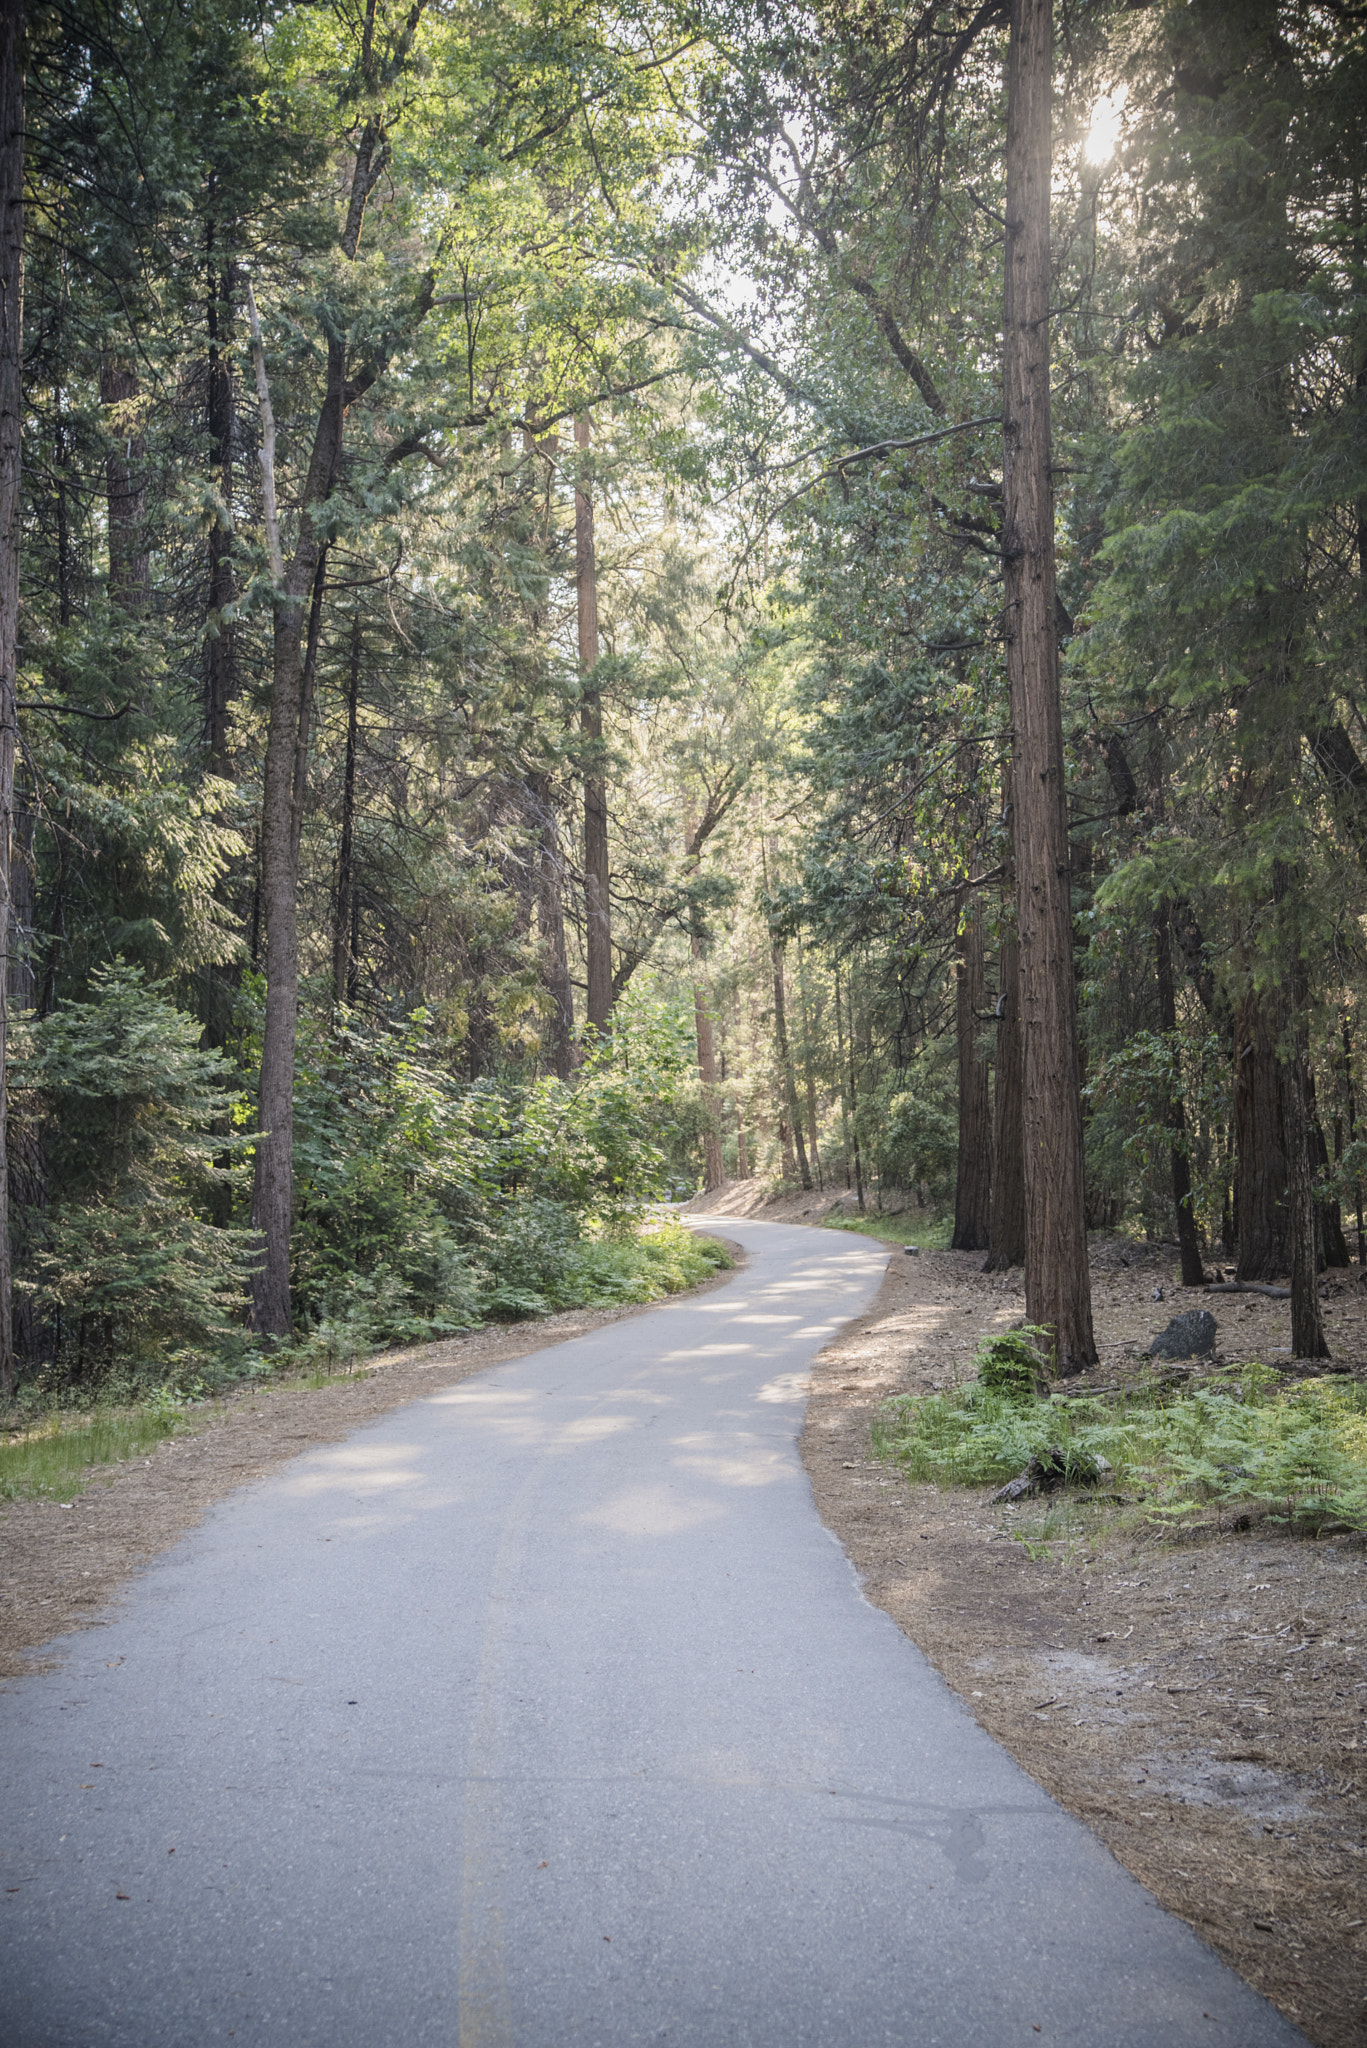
1246,1287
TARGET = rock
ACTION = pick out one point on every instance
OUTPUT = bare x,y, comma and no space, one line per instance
1187,1336
911,1250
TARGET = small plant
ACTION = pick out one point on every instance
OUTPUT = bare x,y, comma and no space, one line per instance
1013,1365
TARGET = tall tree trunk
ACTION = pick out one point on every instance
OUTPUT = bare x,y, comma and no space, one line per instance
550,921
1193,1273
1333,1246
973,1192
346,848
1006,1233
854,1101
1352,1107
1307,1331
12,53
787,1077
1057,1281
840,1069
130,569
809,1075
597,907
273,1187
1262,1211
219,670
714,1167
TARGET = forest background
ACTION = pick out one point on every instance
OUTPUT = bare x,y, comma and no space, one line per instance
513,629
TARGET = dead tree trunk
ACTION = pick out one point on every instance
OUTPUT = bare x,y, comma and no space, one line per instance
12,27
1057,1281
597,906
973,1192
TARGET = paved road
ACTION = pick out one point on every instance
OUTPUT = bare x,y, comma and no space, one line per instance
544,1713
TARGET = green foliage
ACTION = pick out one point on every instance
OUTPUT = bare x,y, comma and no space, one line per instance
53,1459
1013,1365
121,1272
1301,1454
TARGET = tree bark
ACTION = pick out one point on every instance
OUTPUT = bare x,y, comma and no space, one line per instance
220,674
813,1136
1193,1272
1057,1280
714,1167
550,919
973,1192
792,1120
1307,1331
346,849
854,1097
1333,1246
1006,1233
273,1187
1352,1108
597,907
1262,1214
12,53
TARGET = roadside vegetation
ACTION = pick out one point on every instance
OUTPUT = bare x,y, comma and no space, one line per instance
56,1442
1240,1443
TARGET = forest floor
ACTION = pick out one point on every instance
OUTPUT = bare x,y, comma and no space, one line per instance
1199,1702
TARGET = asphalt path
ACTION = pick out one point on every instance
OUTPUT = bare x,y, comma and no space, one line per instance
544,1713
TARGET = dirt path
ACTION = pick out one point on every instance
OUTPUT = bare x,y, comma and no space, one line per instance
63,1564
1199,1703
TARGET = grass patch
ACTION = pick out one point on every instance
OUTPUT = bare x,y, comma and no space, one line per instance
1240,1440
56,1458
914,1226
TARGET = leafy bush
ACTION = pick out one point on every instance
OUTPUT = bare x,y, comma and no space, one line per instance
1239,1439
125,1124
1012,1366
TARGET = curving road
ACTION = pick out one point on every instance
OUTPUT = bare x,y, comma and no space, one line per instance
544,1713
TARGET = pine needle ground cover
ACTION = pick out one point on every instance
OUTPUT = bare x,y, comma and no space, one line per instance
1242,1440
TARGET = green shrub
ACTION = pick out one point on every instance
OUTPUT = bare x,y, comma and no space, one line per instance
1013,1365
121,1279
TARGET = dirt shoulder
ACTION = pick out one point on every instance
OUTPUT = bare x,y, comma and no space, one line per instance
1199,1703
63,1565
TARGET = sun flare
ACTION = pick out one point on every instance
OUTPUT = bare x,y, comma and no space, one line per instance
1103,133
